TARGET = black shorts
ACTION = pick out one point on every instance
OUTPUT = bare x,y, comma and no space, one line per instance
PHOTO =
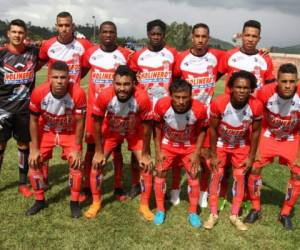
18,127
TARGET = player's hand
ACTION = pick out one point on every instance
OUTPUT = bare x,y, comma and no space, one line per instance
146,163
75,159
195,164
214,162
34,159
247,164
159,160
99,160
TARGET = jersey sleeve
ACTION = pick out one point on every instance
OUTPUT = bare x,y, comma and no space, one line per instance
214,110
269,74
223,65
80,102
257,110
264,92
177,70
100,105
85,59
202,117
133,62
145,107
35,101
43,53
158,112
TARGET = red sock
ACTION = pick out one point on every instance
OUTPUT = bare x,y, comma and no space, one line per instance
37,182
176,176
238,188
135,171
204,177
45,170
75,178
146,188
293,190
96,181
193,192
160,190
254,187
216,179
118,167
88,164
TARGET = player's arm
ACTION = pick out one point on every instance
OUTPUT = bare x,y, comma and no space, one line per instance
256,128
213,130
34,156
99,159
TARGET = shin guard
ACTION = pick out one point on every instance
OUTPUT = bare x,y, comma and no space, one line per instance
37,182
146,188
75,178
254,187
238,188
160,190
96,182
193,192
293,190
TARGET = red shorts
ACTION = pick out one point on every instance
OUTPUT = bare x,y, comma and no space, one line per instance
89,128
269,148
235,156
175,158
135,142
49,140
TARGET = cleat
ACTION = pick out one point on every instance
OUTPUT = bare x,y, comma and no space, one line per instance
75,209
252,216
93,210
159,218
134,191
24,190
211,222
146,212
222,203
85,195
120,194
175,198
234,219
194,220
203,199
37,206
286,221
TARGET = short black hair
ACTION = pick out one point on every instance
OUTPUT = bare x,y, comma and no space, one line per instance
180,85
107,23
64,14
59,65
156,22
252,24
17,22
200,25
245,75
287,68
124,70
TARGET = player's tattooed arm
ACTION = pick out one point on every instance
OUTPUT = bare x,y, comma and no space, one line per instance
256,128
34,159
99,159
213,126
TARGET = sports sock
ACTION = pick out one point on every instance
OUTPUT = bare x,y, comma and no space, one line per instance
254,186
237,191
160,190
193,192
37,182
75,178
23,155
214,188
96,182
293,190
146,188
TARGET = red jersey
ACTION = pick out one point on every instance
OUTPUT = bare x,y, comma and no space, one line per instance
154,70
259,64
179,130
235,124
122,118
103,65
57,115
200,71
281,116
52,50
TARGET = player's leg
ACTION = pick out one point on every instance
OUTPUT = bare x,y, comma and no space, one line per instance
118,169
204,177
2,150
135,178
175,189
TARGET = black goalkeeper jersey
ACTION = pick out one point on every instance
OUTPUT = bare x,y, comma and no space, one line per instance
17,78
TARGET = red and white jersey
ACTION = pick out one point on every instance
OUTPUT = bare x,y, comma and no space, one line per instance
179,130
281,116
52,50
103,65
58,115
259,64
235,124
200,71
154,70
123,118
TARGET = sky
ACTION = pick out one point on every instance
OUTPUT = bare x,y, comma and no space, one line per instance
280,19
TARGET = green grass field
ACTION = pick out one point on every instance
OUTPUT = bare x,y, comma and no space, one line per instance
119,226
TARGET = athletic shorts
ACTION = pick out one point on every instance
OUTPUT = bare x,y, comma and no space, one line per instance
269,148
111,142
16,126
49,140
175,158
235,156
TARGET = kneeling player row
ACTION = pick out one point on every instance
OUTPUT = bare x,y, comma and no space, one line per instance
124,111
